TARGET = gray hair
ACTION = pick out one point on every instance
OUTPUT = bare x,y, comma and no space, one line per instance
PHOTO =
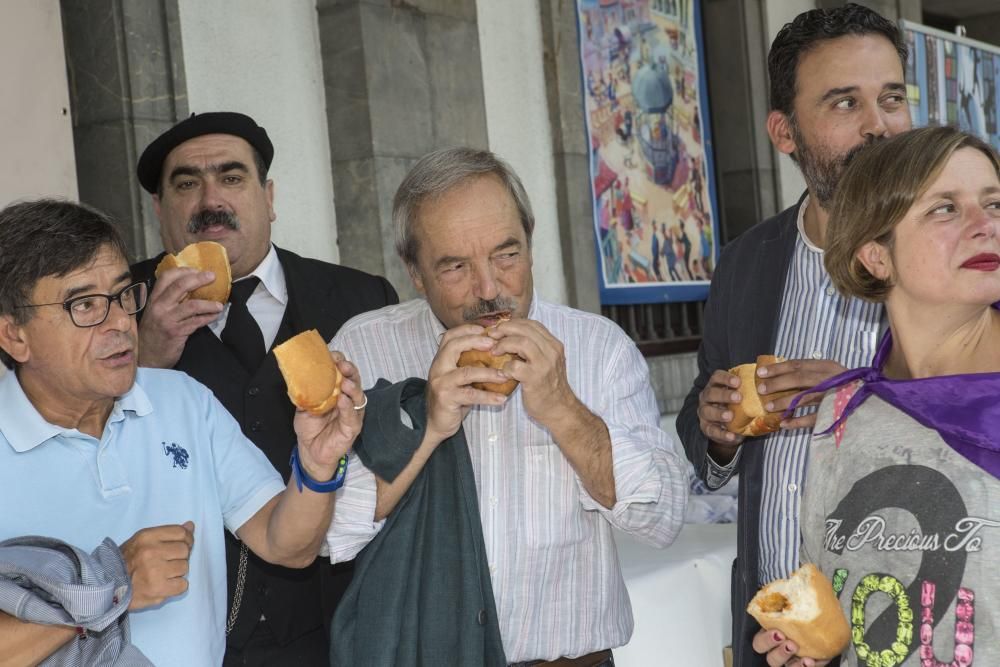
438,172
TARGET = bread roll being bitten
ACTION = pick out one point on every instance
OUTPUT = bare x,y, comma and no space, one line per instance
486,359
312,376
750,418
805,609
204,256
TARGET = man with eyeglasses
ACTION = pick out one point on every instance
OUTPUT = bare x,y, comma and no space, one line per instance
91,447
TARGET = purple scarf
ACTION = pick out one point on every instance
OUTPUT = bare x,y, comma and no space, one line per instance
963,409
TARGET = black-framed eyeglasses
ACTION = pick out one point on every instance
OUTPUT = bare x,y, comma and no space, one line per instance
90,310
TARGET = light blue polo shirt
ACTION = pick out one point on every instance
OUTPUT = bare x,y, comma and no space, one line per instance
170,453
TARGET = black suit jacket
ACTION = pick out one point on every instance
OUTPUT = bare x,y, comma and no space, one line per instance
321,296
741,322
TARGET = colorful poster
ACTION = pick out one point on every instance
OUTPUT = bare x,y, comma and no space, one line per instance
952,80
652,180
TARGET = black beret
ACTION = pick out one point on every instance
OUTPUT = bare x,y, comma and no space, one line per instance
215,122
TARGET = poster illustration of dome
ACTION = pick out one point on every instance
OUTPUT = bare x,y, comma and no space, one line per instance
652,180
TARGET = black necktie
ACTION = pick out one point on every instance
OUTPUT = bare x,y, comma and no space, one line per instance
242,334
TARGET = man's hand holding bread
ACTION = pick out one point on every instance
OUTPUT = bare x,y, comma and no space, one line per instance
190,292
722,403
326,390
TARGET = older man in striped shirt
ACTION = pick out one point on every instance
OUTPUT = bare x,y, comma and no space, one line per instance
836,85
573,453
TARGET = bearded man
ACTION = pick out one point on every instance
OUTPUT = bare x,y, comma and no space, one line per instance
836,86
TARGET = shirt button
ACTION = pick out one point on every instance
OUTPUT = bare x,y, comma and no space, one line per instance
817,355
493,501
830,291
481,618
493,569
253,391
256,426
793,487
491,438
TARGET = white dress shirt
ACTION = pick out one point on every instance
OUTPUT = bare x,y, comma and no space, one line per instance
268,301
555,572
816,322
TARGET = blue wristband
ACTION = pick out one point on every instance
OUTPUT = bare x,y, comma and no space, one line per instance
302,478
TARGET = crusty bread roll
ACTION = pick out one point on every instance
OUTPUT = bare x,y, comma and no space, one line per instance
485,359
204,256
312,377
749,416
805,609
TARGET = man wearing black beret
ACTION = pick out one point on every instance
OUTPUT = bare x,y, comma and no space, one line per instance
208,179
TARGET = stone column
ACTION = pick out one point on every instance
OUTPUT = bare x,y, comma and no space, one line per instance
736,46
402,78
570,151
126,80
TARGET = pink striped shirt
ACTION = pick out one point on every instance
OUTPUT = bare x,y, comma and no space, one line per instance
556,578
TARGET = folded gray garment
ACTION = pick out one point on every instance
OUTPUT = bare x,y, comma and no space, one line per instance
49,582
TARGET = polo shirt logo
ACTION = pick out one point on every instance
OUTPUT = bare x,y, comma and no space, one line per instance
178,453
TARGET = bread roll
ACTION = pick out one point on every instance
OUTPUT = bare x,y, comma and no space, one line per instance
486,359
312,377
204,256
805,609
749,416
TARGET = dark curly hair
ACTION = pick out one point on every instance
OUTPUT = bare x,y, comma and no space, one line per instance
808,30
47,237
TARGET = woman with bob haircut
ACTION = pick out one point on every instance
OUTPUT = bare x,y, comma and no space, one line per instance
901,508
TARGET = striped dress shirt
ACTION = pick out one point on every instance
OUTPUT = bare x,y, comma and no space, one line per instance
555,572
816,322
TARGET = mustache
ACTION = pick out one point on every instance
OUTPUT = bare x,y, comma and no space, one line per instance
849,156
489,307
206,218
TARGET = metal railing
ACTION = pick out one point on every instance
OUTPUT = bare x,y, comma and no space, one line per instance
661,328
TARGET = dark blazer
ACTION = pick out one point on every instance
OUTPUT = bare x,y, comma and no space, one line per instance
321,296
741,322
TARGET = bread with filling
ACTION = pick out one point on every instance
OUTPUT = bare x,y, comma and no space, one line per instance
805,609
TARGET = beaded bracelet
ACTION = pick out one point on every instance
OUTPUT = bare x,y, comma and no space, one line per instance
303,478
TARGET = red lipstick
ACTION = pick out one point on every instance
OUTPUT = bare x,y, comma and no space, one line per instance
983,262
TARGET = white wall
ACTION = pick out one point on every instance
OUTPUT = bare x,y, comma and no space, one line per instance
517,120
262,58
36,132
791,185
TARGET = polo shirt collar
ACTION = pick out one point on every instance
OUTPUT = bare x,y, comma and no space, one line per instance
27,428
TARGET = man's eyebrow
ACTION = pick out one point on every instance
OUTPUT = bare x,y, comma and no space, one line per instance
837,92
185,170
511,242
232,165
448,259
188,170
90,287
847,90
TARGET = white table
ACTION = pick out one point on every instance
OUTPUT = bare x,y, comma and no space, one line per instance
680,598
